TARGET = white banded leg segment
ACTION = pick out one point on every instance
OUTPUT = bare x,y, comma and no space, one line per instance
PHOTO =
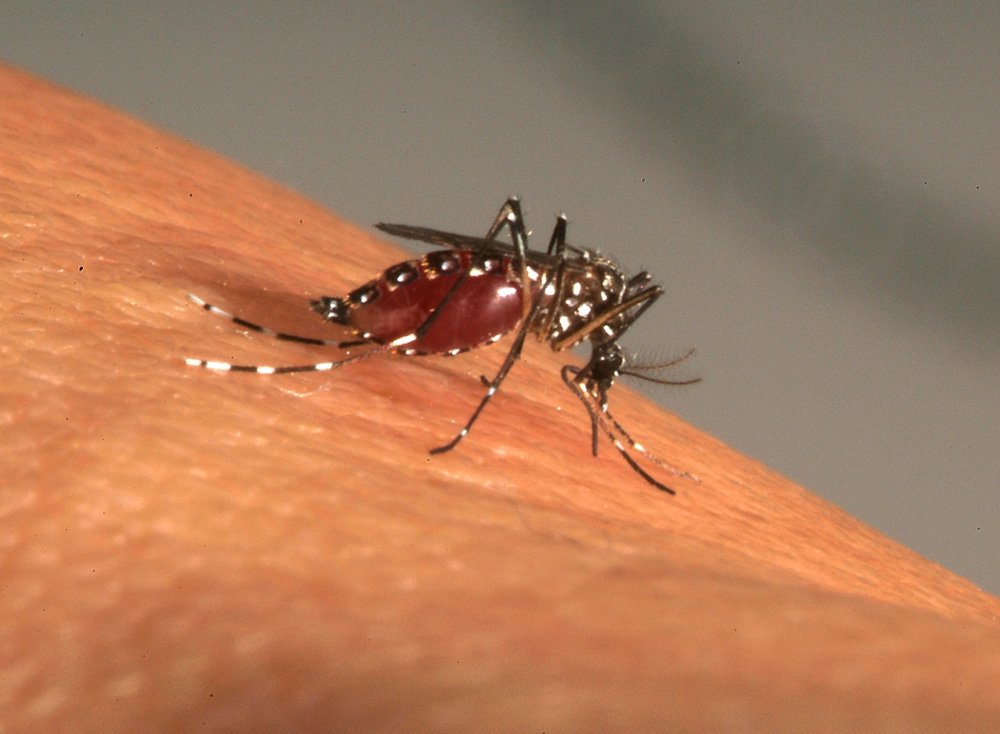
616,440
403,340
636,446
262,369
601,418
284,336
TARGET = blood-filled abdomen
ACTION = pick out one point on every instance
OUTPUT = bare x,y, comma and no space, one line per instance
466,305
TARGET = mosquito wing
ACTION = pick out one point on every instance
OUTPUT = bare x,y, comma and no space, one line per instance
458,241
437,237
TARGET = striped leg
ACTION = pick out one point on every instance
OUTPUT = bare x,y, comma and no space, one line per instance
271,332
620,430
219,366
601,419
261,369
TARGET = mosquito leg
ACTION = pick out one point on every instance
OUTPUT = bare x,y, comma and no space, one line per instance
570,376
519,236
261,369
642,472
646,452
509,216
270,332
642,300
593,433
493,386
557,243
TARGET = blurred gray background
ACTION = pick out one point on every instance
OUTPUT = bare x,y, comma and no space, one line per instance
817,186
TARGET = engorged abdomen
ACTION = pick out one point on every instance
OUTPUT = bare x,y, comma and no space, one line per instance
483,307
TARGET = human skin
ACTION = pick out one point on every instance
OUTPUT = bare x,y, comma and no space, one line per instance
187,550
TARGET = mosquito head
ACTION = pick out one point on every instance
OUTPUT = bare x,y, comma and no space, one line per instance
606,363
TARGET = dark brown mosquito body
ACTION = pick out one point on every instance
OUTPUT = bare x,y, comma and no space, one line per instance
480,289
